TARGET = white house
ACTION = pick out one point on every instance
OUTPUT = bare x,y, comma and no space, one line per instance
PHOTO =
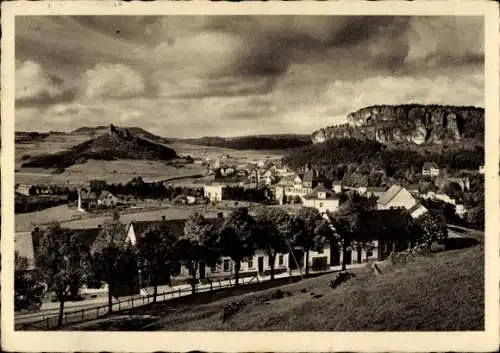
107,199
322,199
430,168
213,192
227,171
441,197
337,187
23,189
460,210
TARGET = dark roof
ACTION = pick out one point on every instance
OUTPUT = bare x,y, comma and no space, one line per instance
176,226
415,207
89,195
104,194
86,235
330,195
24,246
430,165
376,189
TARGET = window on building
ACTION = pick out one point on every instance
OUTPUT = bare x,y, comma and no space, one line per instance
269,262
227,266
280,260
250,263
369,253
213,268
321,204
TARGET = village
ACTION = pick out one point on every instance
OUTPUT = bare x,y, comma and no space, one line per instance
265,184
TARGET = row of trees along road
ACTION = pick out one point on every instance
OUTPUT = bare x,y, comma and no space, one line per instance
65,262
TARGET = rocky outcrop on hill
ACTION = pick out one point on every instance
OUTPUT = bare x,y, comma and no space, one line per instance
117,144
419,124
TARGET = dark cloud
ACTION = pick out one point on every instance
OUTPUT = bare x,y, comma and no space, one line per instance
45,99
118,27
280,73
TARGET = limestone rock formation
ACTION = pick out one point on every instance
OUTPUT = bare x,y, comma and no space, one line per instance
419,124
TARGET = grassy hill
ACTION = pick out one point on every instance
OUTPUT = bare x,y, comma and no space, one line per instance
442,292
120,144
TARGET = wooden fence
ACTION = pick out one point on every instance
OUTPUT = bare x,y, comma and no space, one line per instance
50,321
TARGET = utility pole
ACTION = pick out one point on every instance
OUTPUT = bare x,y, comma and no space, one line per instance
295,260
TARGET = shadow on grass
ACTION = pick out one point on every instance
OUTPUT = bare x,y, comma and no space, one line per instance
193,300
218,294
460,243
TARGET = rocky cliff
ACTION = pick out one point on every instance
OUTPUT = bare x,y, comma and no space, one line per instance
419,124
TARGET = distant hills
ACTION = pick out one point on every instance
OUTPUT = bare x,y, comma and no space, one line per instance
117,143
255,142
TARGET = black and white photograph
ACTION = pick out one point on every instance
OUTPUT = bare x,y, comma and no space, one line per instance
241,172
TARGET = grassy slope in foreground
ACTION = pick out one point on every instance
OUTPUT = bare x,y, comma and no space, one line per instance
443,292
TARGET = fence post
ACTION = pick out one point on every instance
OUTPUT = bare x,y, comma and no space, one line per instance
47,322
179,292
119,305
83,314
211,287
220,284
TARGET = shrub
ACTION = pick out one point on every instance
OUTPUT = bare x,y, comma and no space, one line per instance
341,278
231,309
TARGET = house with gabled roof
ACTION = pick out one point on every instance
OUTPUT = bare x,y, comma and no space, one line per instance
323,199
430,169
258,263
374,191
399,197
107,199
87,200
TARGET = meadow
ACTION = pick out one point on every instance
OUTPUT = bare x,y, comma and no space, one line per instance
122,171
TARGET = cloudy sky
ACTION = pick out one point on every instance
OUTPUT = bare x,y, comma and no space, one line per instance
189,76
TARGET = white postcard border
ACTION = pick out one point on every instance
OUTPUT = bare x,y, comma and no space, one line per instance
255,341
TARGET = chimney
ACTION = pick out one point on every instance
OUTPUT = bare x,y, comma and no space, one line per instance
163,218
220,215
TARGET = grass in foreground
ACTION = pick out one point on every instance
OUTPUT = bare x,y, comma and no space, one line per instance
443,292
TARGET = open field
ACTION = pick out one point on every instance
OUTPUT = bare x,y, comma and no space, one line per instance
26,221
442,292
215,152
121,171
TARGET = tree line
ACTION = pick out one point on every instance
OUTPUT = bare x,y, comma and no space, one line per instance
394,161
66,261
137,187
